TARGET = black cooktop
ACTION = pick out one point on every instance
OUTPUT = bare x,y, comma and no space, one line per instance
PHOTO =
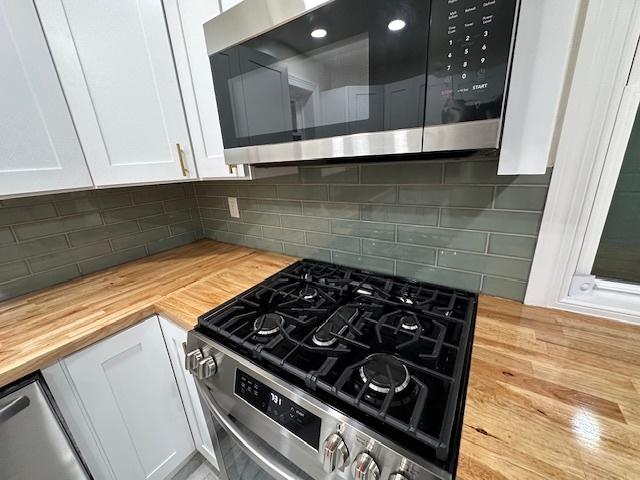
391,352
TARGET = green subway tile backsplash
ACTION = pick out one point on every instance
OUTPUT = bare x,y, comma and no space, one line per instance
453,222
54,238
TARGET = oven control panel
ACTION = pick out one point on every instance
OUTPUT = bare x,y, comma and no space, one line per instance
279,408
468,58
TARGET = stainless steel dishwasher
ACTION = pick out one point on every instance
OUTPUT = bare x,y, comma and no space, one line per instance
34,444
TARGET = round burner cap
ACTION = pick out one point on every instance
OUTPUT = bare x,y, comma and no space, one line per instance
382,371
308,293
268,324
409,322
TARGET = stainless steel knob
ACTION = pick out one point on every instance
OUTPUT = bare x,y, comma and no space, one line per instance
334,453
206,368
192,359
397,476
365,468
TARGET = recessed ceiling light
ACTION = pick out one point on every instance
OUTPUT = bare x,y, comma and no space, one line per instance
319,33
395,25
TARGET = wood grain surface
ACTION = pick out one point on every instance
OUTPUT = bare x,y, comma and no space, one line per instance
552,395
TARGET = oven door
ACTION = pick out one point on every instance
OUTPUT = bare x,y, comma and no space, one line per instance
346,78
241,452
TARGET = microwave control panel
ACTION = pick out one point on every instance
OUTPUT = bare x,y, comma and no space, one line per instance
280,409
468,58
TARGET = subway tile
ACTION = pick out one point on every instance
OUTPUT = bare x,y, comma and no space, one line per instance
446,196
38,281
80,205
6,236
512,245
377,248
13,270
489,264
215,214
245,228
130,213
366,263
216,189
262,244
307,252
287,207
331,210
213,202
305,223
33,247
439,276
155,221
140,238
333,175
211,224
112,198
410,172
157,193
480,172
441,237
106,261
362,194
269,219
381,231
302,192
194,225
257,191
178,204
521,198
43,228
400,214
334,242
41,199
66,257
492,220
171,242
90,235
24,214
502,287
293,236
228,237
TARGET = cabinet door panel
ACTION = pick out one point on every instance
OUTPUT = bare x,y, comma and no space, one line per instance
116,59
39,148
127,388
174,337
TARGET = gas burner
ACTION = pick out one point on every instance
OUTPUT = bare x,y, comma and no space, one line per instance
308,292
409,322
406,300
336,324
382,371
268,324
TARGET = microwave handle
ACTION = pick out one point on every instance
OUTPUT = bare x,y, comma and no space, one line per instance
250,449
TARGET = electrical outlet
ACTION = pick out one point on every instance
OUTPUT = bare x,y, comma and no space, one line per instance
234,211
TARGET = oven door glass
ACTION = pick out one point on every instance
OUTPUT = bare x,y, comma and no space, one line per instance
350,66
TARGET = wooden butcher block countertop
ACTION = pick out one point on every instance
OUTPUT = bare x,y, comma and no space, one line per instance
552,395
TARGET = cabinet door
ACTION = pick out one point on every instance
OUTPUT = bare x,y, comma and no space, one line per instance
127,390
185,19
117,69
174,337
39,148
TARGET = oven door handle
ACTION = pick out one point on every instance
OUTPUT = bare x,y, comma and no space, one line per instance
252,450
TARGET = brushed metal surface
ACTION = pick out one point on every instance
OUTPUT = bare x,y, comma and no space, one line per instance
251,18
462,136
356,145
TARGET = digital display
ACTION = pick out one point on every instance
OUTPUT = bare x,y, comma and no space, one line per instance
279,408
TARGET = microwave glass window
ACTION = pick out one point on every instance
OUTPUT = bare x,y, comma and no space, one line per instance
351,66
469,44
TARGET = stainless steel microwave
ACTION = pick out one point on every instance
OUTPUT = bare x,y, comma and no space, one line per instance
300,80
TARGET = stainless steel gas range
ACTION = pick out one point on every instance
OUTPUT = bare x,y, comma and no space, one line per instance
324,371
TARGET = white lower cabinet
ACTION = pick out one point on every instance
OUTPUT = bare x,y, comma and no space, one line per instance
123,407
174,337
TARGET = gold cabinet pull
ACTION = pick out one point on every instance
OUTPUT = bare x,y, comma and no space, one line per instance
183,162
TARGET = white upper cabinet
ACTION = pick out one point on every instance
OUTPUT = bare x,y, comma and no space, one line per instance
185,19
116,66
39,147
227,4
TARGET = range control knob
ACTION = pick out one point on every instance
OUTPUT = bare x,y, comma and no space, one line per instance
206,368
365,468
334,453
192,359
397,476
